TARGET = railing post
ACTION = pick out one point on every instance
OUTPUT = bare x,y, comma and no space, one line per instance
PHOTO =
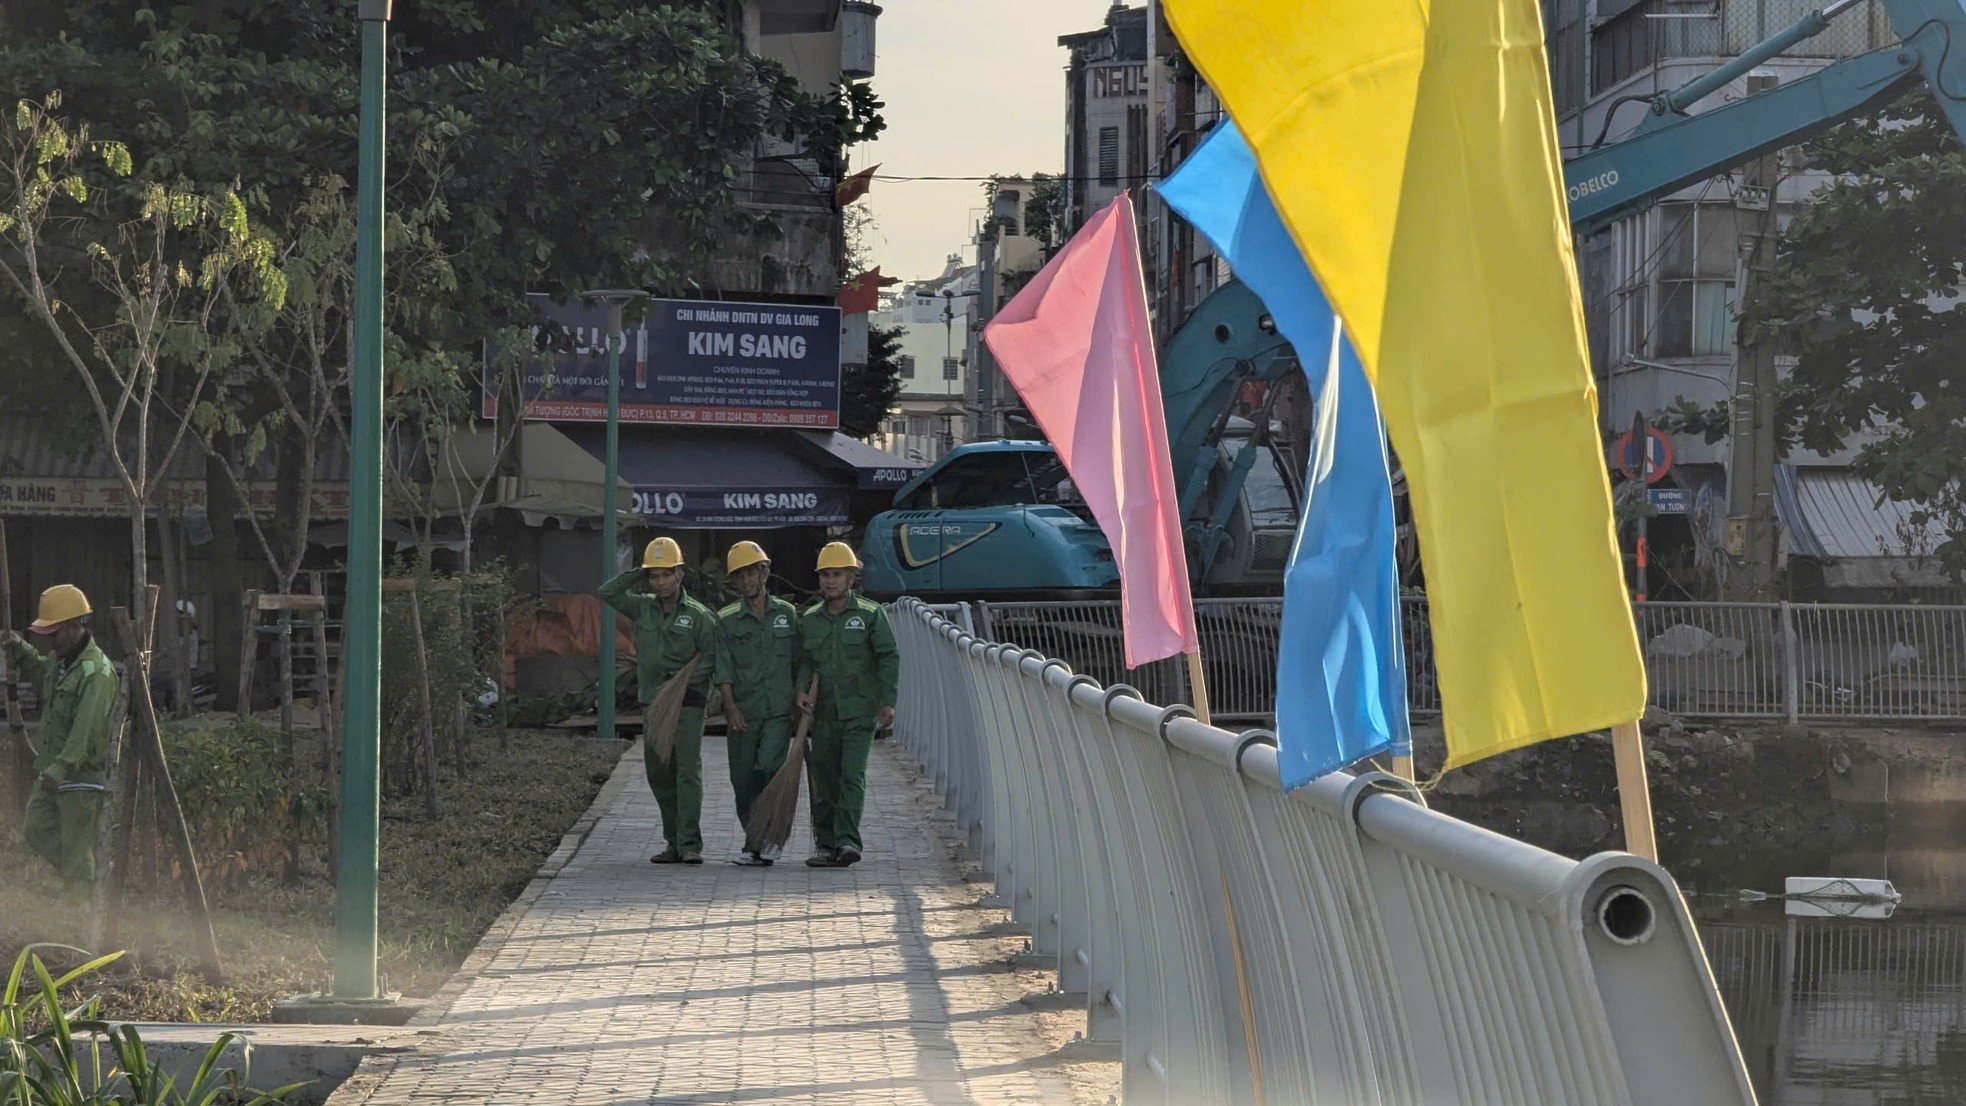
1791,666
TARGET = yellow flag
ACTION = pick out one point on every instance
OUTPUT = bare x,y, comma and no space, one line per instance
1410,146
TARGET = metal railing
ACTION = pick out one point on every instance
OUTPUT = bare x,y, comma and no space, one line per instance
1338,944
1746,660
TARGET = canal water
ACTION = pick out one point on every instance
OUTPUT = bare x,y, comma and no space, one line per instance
1845,1011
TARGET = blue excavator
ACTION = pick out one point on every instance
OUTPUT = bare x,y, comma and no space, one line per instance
998,520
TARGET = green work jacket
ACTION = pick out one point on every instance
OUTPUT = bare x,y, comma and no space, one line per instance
759,657
665,640
77,698
854,654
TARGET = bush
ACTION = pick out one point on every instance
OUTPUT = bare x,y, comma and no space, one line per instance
463,624
247,810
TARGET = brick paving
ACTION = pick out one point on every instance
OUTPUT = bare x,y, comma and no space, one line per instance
624,982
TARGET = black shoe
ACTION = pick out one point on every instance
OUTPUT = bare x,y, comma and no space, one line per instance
667,856
692,858
847,857
823,858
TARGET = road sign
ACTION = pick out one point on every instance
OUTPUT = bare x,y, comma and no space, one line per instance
1658,456
1670,501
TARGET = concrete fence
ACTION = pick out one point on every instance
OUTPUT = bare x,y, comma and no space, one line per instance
1341,944
1816,661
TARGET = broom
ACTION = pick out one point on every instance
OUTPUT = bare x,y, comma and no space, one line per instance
666,710
777,806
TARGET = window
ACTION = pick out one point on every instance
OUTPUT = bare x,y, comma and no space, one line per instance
999,478
1265,489
949,367
1561,28
1699,245
1629,40
907,363
1109,156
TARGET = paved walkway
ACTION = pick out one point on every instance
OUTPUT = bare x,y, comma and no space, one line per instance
622,982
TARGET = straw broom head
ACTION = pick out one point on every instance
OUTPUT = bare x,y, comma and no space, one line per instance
777,806
665,711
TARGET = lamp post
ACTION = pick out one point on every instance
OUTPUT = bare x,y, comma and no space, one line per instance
361,733
613,299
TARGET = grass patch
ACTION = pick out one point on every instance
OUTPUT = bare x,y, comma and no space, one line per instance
443,884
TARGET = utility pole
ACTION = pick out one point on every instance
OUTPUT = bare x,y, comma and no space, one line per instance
612,299
361,724
1751,531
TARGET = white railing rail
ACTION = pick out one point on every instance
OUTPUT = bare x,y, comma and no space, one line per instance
1797,661
1341,944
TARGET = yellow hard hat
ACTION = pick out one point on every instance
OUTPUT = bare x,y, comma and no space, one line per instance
59,604
663,553
838,554
743,555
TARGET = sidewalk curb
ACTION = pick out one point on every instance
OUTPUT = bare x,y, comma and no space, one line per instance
369,1076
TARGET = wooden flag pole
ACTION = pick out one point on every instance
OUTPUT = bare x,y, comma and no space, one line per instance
1634,793
1198,686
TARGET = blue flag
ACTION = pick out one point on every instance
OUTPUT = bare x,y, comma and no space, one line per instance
1341,674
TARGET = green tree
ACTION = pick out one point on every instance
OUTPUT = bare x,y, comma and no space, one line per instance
867,391
1866,296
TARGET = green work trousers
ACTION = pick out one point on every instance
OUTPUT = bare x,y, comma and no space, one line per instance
755,757
678,783
61,829
839,779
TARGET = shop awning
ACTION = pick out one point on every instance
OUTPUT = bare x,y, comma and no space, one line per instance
717,479
873,468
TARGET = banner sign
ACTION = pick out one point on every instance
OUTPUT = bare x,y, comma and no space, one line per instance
759,509
690,362
74,497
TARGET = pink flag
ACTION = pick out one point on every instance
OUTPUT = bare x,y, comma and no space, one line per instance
1076,344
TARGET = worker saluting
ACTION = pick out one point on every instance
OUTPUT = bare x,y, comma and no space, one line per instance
670,629
846,641
758,657
78,693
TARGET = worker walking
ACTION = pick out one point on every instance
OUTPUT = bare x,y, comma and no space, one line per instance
670,629
755,667
78,694
846,640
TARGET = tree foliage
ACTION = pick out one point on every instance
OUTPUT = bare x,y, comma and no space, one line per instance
1867,297
867,391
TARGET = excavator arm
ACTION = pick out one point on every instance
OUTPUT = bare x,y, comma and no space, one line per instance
1670,149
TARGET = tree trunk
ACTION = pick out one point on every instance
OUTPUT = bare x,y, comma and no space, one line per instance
228,586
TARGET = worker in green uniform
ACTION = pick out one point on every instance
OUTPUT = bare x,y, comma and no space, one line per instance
670,628
759,657
846,640
78,694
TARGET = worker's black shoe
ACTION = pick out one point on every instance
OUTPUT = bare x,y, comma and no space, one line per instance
667,856
692,858
847,857
823,858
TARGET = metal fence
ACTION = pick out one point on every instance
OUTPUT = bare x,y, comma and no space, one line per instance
1749,660
1338,944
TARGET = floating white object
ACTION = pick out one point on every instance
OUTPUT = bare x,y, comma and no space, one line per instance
1840,887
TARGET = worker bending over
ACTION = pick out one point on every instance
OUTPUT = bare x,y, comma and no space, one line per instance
846,640
756,664
670,629
78,694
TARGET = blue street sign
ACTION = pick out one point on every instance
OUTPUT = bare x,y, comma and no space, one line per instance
1670,501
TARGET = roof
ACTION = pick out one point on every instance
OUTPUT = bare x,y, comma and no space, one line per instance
1835,514
33,445
872,466
693,478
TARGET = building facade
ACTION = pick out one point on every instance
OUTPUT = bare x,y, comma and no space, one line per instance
1661,285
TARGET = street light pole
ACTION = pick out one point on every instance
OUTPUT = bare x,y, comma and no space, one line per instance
613,299
361,726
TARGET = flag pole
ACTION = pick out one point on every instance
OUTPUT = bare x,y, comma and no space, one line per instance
1634,793
1198,686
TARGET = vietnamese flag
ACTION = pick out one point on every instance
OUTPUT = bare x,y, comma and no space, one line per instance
861,294
1077,345
852,188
